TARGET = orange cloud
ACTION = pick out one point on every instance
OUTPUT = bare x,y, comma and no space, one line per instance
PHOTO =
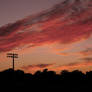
63,54
72,66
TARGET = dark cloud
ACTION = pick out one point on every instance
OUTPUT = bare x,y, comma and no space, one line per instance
87,52
38,66
87,59
34,68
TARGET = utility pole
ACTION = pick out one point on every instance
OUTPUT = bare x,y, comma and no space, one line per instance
13,56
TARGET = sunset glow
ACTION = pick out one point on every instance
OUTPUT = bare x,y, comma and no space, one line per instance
58,38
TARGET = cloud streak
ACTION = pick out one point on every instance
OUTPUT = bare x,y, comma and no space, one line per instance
73,66
34,68
86,52
58,68
65,23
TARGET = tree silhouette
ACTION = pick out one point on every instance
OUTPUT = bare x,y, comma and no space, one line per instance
65,81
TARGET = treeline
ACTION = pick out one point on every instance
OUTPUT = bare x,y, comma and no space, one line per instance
48,80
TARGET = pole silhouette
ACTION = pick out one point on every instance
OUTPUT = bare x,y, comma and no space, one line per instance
13,56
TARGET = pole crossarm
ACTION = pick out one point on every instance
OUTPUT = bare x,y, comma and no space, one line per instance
13,56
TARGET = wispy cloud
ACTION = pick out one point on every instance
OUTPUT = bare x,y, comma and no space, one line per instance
58,68
73,66
64,24
86,52
34,68
87,59
39,66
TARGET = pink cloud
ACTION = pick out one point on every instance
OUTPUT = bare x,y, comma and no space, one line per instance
64,25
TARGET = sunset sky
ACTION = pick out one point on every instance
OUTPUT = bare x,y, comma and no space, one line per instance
53,34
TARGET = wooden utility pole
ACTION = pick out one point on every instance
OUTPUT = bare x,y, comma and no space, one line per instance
13,56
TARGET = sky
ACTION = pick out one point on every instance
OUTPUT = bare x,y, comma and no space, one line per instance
53,34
